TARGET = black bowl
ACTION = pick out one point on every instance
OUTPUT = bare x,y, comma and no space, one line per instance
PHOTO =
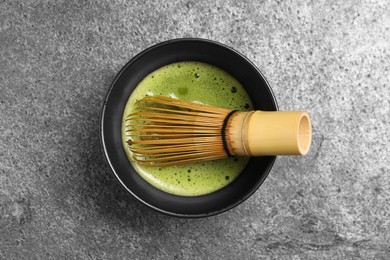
111,119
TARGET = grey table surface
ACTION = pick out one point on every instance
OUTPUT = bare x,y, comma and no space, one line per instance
58,199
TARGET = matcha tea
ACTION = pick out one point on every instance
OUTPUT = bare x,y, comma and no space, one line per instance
195,82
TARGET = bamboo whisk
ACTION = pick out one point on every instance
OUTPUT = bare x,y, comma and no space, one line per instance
165,131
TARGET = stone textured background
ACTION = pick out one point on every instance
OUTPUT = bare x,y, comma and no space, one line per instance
58,198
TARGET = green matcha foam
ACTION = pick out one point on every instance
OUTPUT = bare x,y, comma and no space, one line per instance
195,82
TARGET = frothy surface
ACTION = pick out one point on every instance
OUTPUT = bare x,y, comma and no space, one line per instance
195,82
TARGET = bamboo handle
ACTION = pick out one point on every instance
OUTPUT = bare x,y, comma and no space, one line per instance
261,133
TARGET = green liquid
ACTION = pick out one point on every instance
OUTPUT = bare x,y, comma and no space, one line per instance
199,82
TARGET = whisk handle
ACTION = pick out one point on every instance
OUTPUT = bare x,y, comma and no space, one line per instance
261,133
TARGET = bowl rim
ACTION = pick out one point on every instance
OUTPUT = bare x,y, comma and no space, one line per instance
103,112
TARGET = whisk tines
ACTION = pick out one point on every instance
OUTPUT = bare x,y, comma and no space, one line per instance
165,131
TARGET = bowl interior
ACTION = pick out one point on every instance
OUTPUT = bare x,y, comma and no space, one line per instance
111,119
